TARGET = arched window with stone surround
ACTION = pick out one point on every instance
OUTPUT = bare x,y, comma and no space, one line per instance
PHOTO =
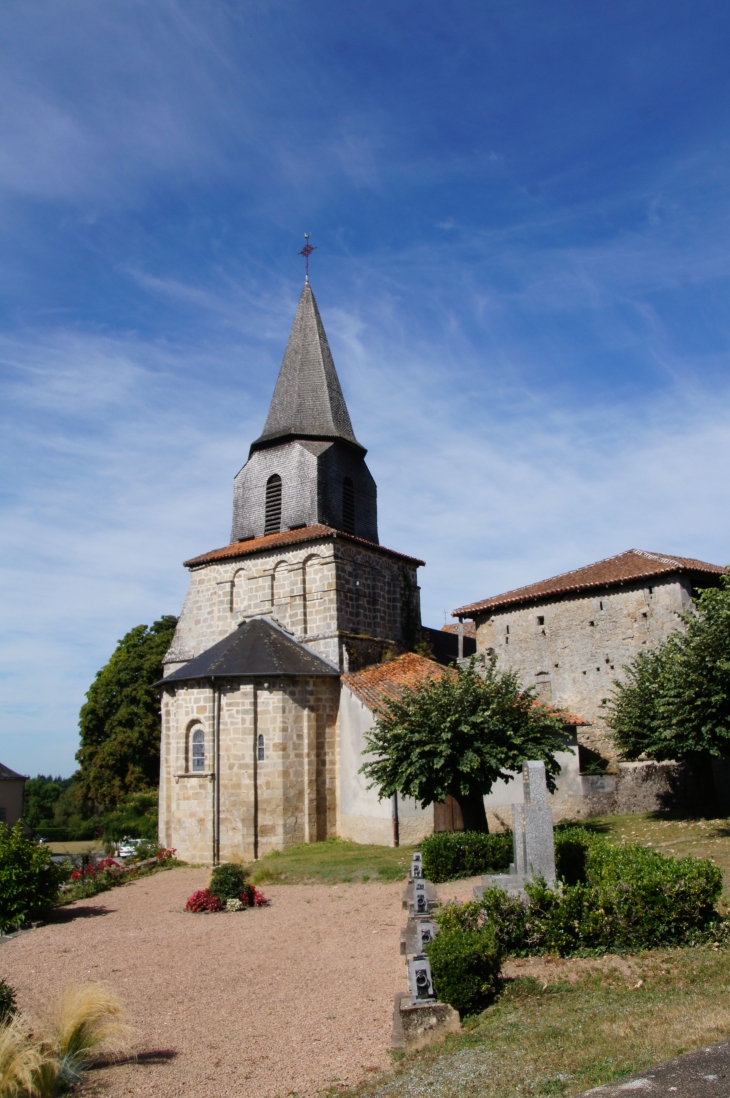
348,506
272,520
197,750
261,752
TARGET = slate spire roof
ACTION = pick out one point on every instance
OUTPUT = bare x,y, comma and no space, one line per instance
307,400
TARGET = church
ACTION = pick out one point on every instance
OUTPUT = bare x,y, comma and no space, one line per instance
256,752
294,634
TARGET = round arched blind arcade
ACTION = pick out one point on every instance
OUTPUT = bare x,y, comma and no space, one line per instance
348,506
272,521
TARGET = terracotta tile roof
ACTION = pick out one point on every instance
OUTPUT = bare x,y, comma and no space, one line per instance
627,567
388,680
293,537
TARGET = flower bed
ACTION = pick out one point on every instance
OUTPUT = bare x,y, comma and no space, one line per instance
228,891
101,876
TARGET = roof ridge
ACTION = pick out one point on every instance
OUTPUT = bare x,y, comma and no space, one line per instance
316,532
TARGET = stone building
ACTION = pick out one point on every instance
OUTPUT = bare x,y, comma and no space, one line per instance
251,735
12,787
570,636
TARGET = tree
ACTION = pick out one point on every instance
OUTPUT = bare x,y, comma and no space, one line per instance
120,720
675,702
456,733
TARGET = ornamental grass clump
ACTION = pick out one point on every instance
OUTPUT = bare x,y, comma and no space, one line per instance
88,1020
21,1060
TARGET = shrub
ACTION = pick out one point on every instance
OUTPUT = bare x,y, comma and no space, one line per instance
612,898
203,900
8,1006
29,880
228,881
451,854
253,897
465,966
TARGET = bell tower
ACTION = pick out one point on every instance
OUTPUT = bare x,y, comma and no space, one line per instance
306,468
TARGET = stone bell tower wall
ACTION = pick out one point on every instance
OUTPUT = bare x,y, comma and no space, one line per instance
348,603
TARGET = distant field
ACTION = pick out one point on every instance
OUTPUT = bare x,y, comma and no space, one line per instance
89,846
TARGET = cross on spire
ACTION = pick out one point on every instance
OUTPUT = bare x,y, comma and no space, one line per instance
306,252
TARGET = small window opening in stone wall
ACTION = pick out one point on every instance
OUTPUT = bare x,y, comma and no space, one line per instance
600,606
507,630
540,619
260,751
197,750
272,521
591,623
348,506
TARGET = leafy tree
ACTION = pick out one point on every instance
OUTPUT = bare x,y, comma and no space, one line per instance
40,798
134,818
120,721
457,733
675,701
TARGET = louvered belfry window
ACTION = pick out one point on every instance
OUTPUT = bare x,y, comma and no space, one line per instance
272,523
348,506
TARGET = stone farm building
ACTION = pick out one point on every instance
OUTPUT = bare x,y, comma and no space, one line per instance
293,634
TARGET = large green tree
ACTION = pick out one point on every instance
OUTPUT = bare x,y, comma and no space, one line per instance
675,700
456,733
120,721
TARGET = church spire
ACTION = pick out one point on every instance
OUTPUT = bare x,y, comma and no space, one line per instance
307,401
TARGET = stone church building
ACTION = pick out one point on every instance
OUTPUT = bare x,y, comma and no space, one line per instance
293,635
252,732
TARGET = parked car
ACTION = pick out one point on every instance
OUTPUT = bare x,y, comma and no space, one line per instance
128,848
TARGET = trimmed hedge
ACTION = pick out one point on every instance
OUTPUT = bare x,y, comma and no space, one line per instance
612,898
465,965
448,855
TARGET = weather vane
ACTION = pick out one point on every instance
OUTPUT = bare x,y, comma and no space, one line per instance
306,252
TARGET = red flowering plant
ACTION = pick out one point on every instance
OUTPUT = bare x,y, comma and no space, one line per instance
253,897
202,901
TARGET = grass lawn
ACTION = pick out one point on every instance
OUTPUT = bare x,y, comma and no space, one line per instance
674,835
338,861
563,1038
87,846
333,861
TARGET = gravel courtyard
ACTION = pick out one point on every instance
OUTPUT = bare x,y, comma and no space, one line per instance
287,999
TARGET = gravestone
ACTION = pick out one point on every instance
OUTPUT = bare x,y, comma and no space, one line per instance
416,866
420,980
532,837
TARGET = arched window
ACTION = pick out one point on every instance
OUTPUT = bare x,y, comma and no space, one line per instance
348,506
272,522
261,753
197,750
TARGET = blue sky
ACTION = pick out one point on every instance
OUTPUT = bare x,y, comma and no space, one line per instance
523,231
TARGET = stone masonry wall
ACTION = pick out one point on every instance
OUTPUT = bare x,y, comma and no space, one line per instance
295,782
573,647
347,603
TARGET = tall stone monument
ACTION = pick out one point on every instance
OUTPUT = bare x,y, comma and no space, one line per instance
532,836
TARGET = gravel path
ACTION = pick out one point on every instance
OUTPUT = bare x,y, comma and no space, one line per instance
269,1002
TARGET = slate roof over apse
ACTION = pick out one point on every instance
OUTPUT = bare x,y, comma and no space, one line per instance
307,400
257,649
293,537
7,775
628,567
388,680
